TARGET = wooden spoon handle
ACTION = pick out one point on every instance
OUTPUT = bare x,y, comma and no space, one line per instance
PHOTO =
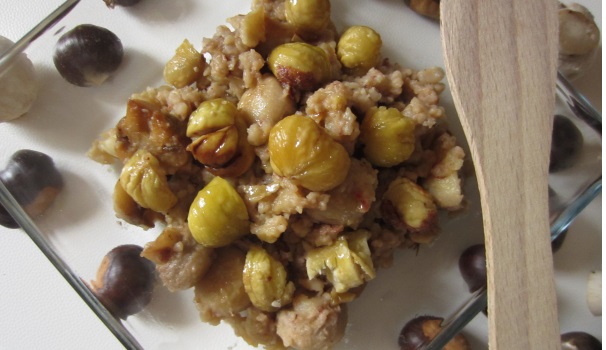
501,58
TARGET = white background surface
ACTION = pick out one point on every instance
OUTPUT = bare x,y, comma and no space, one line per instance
39,310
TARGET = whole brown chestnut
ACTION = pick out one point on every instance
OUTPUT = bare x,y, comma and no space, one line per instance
87,55
472,264
124,281
420,330
580,341
33,180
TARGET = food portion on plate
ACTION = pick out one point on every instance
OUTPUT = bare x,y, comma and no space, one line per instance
285,162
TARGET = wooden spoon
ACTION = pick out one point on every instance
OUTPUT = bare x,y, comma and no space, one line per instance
501,62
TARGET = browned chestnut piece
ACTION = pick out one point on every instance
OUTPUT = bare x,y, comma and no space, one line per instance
580,341
124,281
420,330
113,3
33,180
472,264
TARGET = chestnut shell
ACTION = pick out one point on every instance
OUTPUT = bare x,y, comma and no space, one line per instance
420,330
412,335
87,55
472,265
125,281
33,180
580,341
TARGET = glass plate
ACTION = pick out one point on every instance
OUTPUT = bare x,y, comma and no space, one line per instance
39,310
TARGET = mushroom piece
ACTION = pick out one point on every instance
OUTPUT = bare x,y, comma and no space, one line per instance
579,39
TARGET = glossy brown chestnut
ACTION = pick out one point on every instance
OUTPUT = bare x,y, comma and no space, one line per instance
580,341
33,180
124,281
87,55
420,330
472,265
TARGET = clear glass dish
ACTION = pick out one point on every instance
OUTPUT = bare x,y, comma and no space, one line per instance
81,226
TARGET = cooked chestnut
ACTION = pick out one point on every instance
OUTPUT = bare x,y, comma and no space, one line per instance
87,55
566,144
124,281
113,3
472,264
33,180
580,341
420,330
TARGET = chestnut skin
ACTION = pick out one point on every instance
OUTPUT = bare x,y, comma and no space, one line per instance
420,330
33,180
580,341
124,281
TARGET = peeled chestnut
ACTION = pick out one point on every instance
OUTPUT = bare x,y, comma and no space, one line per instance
124,281
472,264
420,330
113,3
87,55
33,180
580,341
566,144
